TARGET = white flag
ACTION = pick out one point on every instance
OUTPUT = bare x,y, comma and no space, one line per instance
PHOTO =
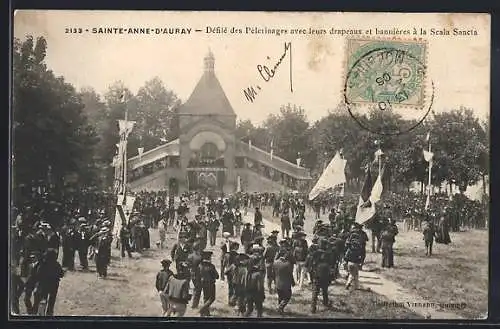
116,161
377,189
378,153
298,161
333,175
140,150
428,137
428,156
125,127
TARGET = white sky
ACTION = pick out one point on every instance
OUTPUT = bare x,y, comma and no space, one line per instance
458,65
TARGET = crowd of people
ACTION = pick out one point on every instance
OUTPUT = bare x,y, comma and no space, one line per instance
253,263
45,229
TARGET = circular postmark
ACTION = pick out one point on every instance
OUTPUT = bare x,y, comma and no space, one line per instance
387,78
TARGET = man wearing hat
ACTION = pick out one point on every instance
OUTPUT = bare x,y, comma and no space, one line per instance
300,249
161,282
239,279
125,235
332,215
269,256
194,261
177,290
388,238
285,223
358,234
102,257
230,259
321,279
283,270
53,239
48,272
354,259
225,248
208,275
257,256
254,288
228,221
83,243
247,237
180,252
317,226
238,221
257,218
202,234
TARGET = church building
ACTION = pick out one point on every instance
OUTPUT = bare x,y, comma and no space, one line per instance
207,156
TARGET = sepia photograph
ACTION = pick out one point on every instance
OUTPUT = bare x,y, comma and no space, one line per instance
249,165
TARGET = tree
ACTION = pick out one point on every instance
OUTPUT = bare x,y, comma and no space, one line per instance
155,116
259,136
290,134
97,112
461,145
51,137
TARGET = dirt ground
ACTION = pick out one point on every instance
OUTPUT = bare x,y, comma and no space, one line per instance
129,291
457,274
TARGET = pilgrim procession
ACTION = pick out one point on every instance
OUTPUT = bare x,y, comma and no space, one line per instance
133,202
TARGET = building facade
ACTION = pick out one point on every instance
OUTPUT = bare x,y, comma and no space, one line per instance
207,156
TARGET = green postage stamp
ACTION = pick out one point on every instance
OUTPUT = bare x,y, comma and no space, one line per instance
387,73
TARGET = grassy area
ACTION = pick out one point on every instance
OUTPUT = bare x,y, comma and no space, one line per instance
455,273
129,291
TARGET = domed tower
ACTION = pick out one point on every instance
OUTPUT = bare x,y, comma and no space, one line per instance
207,125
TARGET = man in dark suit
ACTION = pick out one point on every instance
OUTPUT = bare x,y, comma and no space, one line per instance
208,276
194,260
321,278
269,256
254,289
283,270
257,219
247,237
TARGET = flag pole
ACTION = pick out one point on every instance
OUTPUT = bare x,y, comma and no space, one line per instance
125,151
380,162
429,178
342,188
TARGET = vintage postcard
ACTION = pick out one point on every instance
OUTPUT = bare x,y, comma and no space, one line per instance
250,165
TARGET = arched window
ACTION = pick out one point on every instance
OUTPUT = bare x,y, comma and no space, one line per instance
209,151
208,155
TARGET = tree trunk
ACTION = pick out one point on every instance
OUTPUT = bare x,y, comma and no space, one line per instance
484,184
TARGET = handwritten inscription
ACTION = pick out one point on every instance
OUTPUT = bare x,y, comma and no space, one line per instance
267,73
